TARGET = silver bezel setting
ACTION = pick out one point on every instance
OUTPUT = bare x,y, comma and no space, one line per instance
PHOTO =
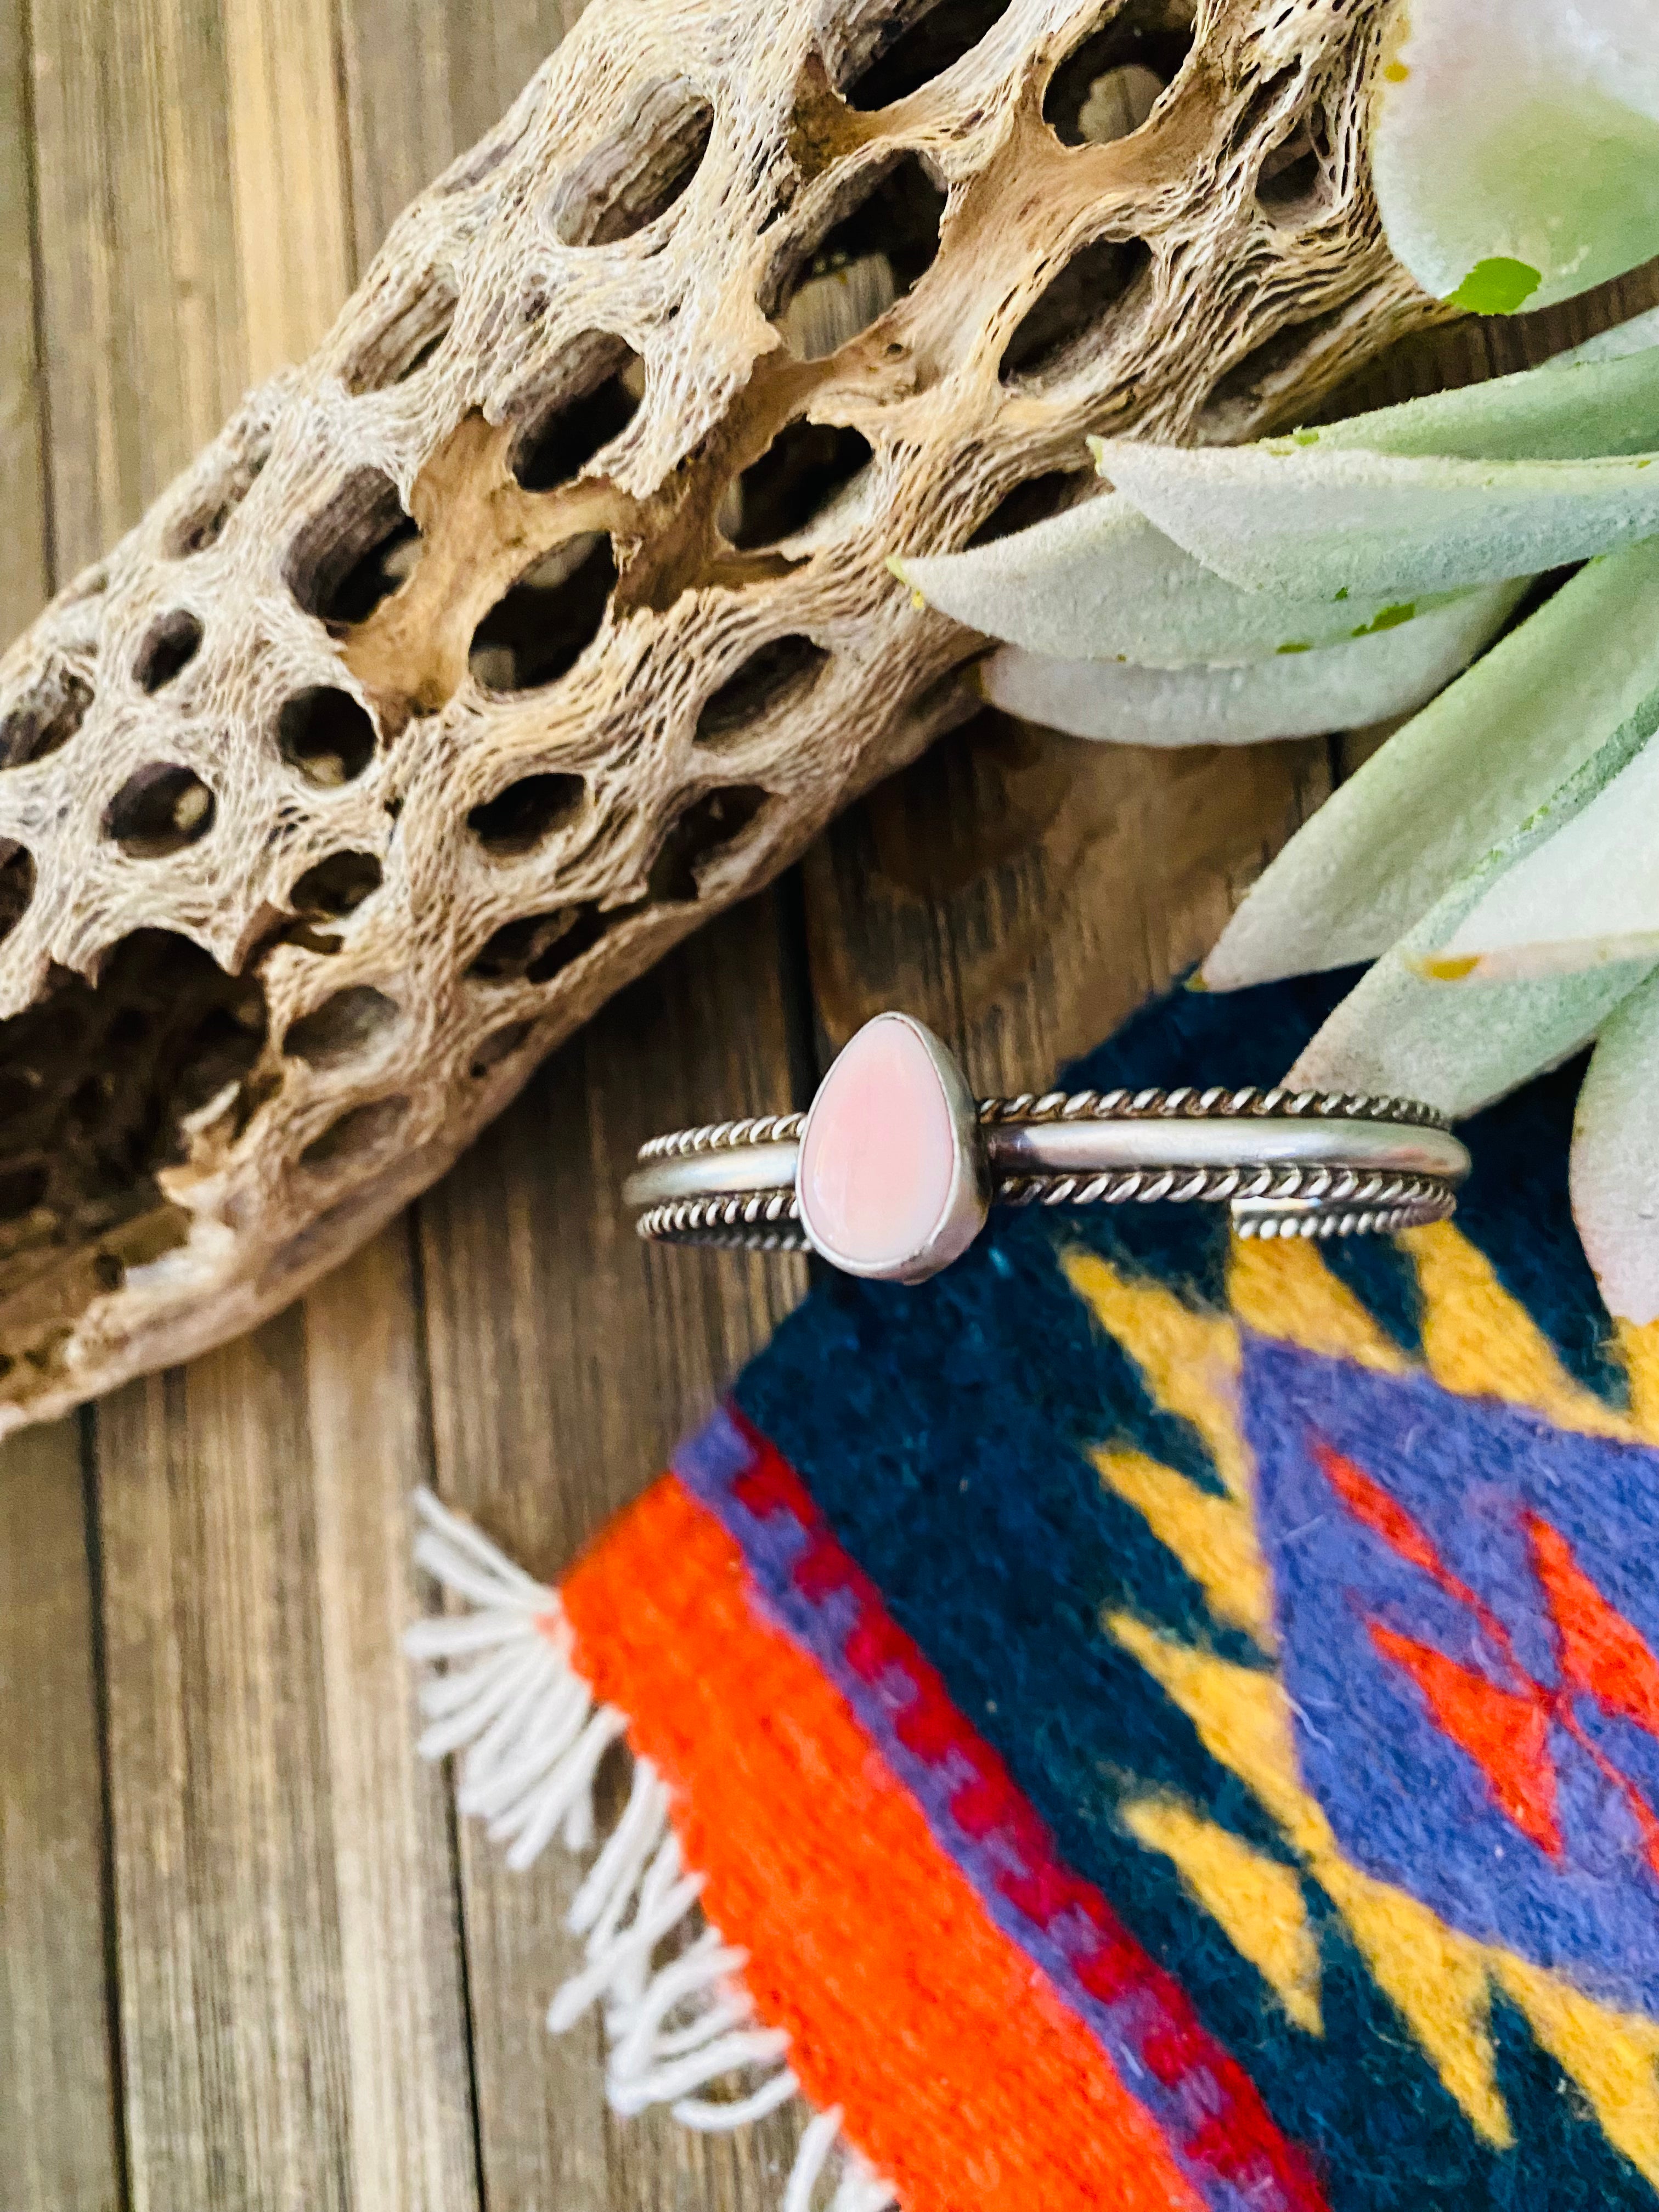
968,1200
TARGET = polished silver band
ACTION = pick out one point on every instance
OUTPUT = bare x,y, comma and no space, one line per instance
1289,1163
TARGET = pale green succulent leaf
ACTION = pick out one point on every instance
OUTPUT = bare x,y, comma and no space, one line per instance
1587,897
1406,1029
1400,1033
1502,478
1099,583
1615,1159
1307,520
1515,146
1612,343
1581,405
1297,694
1456,782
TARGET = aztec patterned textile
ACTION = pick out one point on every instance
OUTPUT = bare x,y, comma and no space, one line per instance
1145,1721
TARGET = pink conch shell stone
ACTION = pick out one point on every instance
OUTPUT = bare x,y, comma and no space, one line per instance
879,1156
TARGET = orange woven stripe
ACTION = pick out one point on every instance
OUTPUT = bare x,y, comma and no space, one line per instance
963,2079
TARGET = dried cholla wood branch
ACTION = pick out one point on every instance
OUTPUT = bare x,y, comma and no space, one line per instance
544,612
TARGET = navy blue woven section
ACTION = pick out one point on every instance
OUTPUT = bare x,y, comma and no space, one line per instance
1516,1209
944,1432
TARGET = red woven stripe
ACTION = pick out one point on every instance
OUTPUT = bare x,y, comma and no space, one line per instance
962,2077
1232,2135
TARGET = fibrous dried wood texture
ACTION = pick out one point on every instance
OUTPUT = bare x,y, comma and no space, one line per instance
544,613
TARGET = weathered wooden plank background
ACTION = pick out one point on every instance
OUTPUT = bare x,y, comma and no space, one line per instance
247,1961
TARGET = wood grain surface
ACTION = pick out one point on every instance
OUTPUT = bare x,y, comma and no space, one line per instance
249,1962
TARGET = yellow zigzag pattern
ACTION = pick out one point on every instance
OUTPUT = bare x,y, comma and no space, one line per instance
1477,1341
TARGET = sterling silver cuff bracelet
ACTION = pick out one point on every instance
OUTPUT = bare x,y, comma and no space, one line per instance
892,1172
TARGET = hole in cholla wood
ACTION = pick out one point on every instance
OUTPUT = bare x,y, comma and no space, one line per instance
562,439
16,885
47,717
904,48
351,557
1108,84
869,255
365,1130
236,467
498,1047
638,171
168,650
699,836
837,305
22,1189
539,629
1294,187
327,735
776,675
796,481
1119,103
99,1078
527,813
1035,500
1273,109
160,809
1077,314
587,928
344,1028
539,946
1279,361
409,337
337,886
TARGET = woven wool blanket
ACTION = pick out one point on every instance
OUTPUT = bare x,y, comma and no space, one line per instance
1143,1721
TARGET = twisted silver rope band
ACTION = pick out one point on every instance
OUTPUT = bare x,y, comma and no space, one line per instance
1350,1204
1191,1104
1341,1201
755,1221
1363,1221
1185,1103
725,1136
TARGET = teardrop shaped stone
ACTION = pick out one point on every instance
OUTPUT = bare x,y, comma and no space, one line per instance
883,1188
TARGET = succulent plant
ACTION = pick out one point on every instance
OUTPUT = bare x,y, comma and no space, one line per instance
1515,144
1495,859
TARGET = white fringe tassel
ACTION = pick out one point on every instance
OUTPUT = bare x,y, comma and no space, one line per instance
529,1739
